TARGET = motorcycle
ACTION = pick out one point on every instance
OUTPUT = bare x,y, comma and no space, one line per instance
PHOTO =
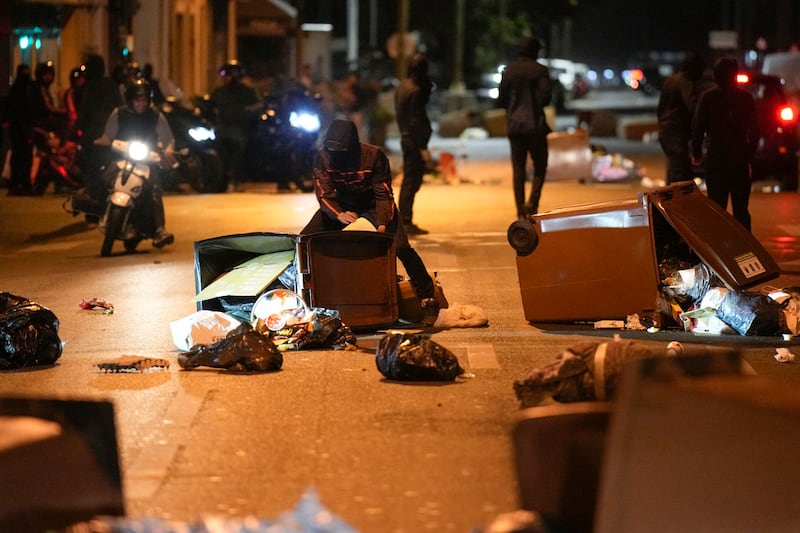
122,217
199,165
284,141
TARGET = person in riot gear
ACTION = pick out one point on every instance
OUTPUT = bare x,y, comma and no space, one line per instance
353,180
140,120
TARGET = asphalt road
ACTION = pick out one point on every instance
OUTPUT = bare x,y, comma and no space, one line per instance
384,456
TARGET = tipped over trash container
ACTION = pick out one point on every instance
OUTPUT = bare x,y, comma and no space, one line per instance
601,261
353,272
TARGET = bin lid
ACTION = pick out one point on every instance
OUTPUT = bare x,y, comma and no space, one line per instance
719,240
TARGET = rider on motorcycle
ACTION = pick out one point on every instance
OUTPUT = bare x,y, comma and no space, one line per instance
142,121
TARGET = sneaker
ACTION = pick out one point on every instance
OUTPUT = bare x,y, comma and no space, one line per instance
413,229
163,238
430,311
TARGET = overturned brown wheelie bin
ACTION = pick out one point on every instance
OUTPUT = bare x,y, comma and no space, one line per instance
353,272
601,261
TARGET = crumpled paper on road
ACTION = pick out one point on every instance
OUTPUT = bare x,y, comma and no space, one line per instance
202,327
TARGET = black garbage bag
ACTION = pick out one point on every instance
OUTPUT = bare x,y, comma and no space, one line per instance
752,313
409,357
242,350
28,333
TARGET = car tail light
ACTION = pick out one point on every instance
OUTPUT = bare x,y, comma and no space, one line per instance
787,114
742,78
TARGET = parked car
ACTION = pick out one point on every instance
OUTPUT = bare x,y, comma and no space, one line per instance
776,156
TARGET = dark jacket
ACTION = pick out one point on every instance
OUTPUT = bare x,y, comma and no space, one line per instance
525,90
356,178
727,123
410,99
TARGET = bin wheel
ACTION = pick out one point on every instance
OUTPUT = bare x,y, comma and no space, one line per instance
522,237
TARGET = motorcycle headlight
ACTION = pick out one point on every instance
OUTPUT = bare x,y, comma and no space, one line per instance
305,121
201,133
138,151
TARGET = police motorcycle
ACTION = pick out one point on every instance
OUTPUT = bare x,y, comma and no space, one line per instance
123,216
199,165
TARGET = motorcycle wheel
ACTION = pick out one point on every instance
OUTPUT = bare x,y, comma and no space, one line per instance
204,173
116,217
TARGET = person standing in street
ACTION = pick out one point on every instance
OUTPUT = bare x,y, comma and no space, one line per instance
19,117
676,106
525,90
726,125
234,105
410,101
353,180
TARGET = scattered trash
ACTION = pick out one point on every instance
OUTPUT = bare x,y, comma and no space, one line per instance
202,327
461,316
519,521
277,309
324,329
242,350
701,304
410,357
784,355
614,167
609,324
308,516
96,304
133,364
635,322
28,333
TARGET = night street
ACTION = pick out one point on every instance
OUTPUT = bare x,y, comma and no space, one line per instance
383,456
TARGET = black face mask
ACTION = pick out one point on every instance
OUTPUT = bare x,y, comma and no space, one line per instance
341,142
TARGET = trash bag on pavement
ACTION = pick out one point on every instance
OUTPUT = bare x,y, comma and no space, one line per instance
586,371
752,313
242,350
28,333
409,357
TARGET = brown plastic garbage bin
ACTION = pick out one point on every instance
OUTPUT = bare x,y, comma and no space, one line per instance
600,261
353,272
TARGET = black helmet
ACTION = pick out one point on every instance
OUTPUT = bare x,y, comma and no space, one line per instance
233,69
46,67
136,89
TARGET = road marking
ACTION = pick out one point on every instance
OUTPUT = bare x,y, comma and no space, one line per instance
147,472
481,356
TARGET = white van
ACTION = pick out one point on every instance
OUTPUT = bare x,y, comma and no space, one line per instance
785,65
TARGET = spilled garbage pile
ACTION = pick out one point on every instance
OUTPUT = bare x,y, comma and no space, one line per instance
699,302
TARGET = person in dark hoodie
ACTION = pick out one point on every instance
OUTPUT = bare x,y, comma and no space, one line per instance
525,90
724,138
353,180
410,100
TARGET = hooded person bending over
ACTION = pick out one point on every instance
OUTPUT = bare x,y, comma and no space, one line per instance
353,180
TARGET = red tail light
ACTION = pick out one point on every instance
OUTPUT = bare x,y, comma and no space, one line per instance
742,78
787,114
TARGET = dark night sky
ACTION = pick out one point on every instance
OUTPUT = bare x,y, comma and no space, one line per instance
607,29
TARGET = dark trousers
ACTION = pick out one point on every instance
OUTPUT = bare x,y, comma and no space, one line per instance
534,144
724,182
413,172
21,162
408,256
676,150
